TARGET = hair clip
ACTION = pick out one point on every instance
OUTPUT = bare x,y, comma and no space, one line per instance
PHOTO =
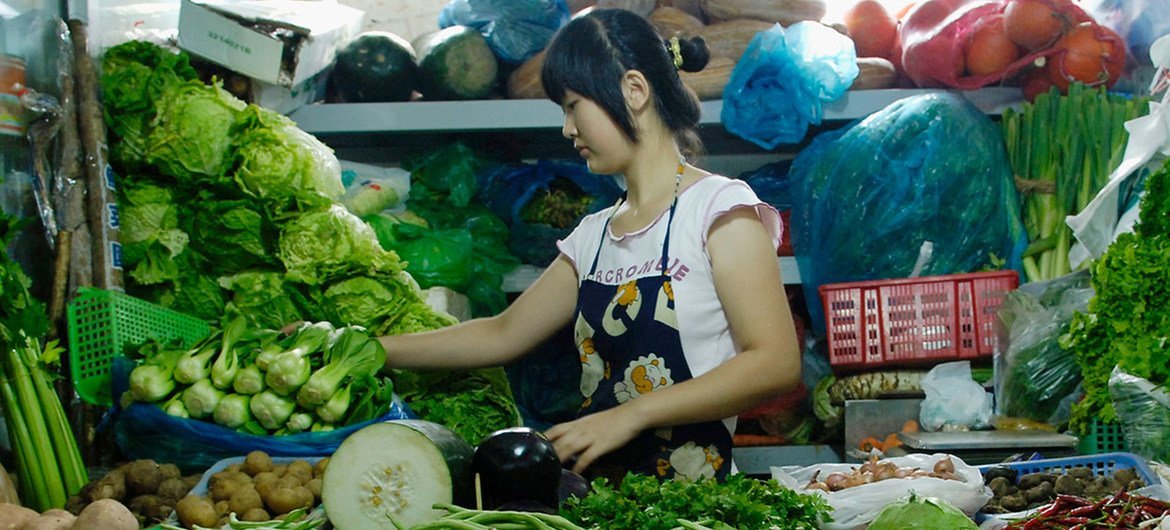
676,50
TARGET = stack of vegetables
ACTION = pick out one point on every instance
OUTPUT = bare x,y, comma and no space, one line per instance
1128,319
1062,150
48,462
259,381
222,202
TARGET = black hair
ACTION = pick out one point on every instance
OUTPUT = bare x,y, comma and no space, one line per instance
592,52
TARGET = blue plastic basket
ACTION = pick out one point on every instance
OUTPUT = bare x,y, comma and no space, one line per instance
1103,464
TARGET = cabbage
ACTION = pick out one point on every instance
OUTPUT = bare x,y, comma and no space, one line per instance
190,137
921,513
150,235
283,165
367,301
263,298
233,235
326,244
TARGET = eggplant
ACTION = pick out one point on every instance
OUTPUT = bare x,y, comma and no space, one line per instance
572,485
517,465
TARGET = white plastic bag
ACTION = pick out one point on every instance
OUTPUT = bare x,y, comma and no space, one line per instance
954,399
854,508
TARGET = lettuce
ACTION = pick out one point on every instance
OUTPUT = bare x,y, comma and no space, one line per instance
921,513
234,235
150,234
368,300
326,244
264,298
190,138
283,165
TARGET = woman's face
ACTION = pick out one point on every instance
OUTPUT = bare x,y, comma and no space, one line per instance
595,134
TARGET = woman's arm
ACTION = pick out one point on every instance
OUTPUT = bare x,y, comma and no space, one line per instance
747,280
536,314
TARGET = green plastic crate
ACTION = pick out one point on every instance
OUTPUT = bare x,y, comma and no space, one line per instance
102,323
1102,438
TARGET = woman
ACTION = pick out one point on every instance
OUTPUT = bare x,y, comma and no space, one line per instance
674,293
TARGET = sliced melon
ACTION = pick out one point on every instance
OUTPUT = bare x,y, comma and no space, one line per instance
395,472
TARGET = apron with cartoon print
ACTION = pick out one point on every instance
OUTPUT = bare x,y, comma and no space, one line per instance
629,345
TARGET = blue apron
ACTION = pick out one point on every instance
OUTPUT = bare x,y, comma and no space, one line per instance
628,341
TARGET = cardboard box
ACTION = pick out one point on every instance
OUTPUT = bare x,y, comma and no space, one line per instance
283,99
282,42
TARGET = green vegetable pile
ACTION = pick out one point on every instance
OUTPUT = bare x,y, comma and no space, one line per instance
642,502
261,382
230,208
560,205
1128,319
921,513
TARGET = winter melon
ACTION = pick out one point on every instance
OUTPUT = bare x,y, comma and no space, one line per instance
456,63
375,66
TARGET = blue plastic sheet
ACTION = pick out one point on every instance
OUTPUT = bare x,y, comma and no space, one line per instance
783,79
929,168
515,29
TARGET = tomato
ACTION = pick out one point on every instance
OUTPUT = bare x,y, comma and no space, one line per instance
1089,53
989,49
1035,24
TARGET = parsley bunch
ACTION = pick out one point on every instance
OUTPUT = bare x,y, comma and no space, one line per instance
642,502
1128,320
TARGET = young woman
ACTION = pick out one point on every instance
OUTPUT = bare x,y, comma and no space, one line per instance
674,294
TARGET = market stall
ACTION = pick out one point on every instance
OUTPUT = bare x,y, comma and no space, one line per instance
215,212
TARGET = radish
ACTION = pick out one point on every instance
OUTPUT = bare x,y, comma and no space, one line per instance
394,473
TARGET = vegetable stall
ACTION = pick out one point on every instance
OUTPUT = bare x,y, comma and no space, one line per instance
203,249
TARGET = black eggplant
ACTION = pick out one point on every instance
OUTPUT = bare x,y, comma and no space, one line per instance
572,485
515,465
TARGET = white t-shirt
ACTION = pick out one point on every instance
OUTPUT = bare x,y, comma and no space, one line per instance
703,328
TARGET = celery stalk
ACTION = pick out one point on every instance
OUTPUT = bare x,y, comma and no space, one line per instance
51,494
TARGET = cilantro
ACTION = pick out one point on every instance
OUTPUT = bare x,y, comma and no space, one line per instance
642,502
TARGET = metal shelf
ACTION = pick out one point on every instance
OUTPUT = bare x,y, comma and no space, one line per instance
519,279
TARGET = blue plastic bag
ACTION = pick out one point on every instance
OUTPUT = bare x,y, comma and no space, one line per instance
782,80
144,431
926,168
770,182
515,29
508,189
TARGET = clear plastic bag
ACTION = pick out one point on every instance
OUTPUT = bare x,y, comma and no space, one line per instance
954,399
515,29
1144,411
1034,375
779,85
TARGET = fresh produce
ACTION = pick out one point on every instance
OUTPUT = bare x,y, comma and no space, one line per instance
709,83
1013,492
1035,24
989,49
921,513
295,520
1062,150
375,66
1088,53
48,463
256,490
783,12
465,519
148,489
105,514
1130,311
55,519
524,82
1122,510
730,38
872,28
516,465
670,21
874,470
13,516
642,502
8,493
393,474
472,404
831,392
456,63
561,204
874,73
191,137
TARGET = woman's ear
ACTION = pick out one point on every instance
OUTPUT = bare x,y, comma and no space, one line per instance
636,90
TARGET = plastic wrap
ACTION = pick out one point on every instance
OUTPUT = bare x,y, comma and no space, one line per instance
1034,375
515,29
927,168
1144,411
954,399
782,80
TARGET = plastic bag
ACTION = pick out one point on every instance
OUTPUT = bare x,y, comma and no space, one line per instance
770,182
510,190
855,507
436,257
781,81
925,168
954,399
935,35
1033,373
1144,411
515,29
371,189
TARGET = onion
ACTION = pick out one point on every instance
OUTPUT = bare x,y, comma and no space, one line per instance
1089,53
990,50
1035,24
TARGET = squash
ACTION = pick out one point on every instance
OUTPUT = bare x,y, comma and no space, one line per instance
375,66
784,12
670,21
729,39
524,82
693,8
456,63
709,83
874,73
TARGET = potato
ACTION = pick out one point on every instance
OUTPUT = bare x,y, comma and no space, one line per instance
234,468
51,520
143,477
299,466
245,499
191,481
12,516
221,487
111,486
173,489
319,467
106,514
145,505
170,471
285,500
314,487
256,515
257,462
279,469
196,510
289,482
222,508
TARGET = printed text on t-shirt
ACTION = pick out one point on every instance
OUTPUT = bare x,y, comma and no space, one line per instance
676,270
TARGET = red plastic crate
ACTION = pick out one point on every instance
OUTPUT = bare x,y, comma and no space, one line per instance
915,320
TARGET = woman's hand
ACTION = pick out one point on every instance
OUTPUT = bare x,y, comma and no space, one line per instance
585,440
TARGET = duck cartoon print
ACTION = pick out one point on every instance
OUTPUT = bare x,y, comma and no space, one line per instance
642,377
593,368
692,462
623,308
664,306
